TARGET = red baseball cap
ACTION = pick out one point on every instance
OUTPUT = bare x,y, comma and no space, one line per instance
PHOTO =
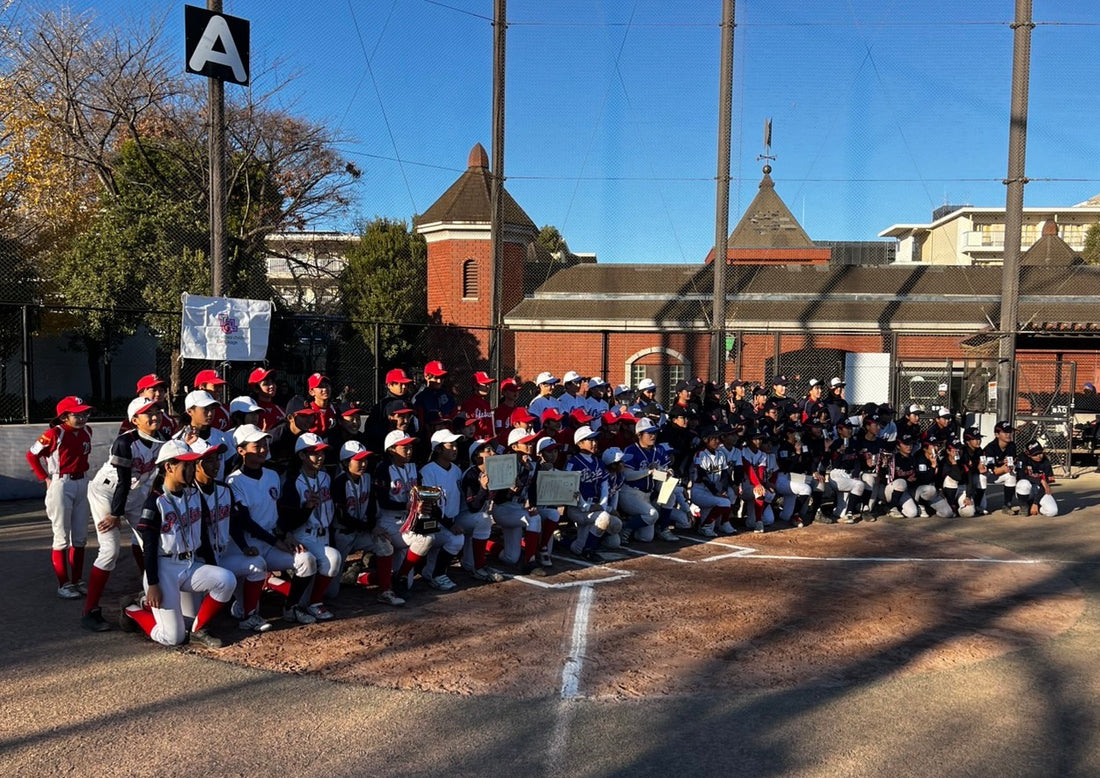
434,368
72,404
317,379
397,376
208,377
483,378
521,415
259,374
581,416
552,414
509,383
354,410
149,381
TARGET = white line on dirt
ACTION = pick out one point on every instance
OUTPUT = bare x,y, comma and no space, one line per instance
574,663
909,560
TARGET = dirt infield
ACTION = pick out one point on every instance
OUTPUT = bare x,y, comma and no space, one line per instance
753,612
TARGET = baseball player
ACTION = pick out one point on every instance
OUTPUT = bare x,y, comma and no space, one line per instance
954,480
476,406
597,404
442,473
548,452
710,483
152,387
356,525
1034,480
926,492
545,401
573,396
226,538
119,491
256,491
640,461
209,381
846,461
261,384
502,414
434,402
1000,462
475,517
60,459
306,512
758,489
898,475
174,544
518,520
794,481
592,515
201,410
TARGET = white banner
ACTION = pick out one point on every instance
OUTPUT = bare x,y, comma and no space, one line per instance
225,329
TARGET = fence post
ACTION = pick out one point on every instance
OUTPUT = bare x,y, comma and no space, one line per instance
376,345
605,360
777,370
27,378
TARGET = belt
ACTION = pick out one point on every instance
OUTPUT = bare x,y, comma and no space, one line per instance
186,555
71,476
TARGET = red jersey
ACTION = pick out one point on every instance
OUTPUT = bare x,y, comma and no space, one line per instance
221,418
62,450
323,420
270,415
477,408
502,422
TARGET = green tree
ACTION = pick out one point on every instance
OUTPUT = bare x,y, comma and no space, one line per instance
1091,254
551,239
385,281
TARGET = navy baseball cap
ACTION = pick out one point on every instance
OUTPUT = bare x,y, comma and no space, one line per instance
1003,426
780,380
908,439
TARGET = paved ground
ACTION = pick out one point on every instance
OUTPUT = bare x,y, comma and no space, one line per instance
81,704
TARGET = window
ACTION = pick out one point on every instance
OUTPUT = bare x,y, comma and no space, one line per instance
469,279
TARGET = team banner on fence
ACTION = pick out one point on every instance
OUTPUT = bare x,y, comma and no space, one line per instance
225,329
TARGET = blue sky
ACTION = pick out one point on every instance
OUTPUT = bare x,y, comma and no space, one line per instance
882,109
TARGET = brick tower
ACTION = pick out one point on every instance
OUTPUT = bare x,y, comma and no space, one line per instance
460,257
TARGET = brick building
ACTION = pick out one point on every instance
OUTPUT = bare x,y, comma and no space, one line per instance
789,308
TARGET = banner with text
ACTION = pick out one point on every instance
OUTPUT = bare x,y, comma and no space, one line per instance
225,329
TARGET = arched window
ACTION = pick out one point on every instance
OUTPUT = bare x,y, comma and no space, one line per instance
469,279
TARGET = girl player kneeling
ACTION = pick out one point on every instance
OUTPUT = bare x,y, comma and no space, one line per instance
173,541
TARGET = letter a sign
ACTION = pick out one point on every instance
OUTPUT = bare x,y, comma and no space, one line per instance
216,45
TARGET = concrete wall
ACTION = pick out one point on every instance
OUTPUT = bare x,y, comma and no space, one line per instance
17,480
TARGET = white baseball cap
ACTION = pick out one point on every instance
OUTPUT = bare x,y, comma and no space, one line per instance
646,383
176,449
521,436
203,447
835,382
622,389
198,399
915,409
596,382
439,437
572,376
307,441
477,445
138,405
353,449
943,388
944,412
243,404
545,378
248,433
584,433
397,438
645,425
545,443
612,455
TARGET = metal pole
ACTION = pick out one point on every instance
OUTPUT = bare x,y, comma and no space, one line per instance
27,383
218,238
1014,210
722,200
500,27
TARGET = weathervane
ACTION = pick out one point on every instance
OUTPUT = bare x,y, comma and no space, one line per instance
767,155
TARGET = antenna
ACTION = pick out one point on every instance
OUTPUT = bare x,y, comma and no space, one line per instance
767,155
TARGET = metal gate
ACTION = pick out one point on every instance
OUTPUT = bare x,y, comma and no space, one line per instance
1044,409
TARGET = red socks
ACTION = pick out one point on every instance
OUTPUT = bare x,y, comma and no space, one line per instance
383,567
76,563
410,562
252,591
59,567
276,584
144,618
530,545
320,584
481,552
96,582
207,611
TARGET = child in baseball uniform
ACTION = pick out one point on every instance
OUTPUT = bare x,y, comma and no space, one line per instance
356,526
175,546
201,408
256,491
305,513
442,473
60,458
474,518
591,516
226,538
119,491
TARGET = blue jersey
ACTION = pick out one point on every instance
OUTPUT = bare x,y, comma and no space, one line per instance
594,476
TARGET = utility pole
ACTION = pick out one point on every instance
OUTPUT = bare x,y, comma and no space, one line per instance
496,194
218,237
722,200
1014,211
